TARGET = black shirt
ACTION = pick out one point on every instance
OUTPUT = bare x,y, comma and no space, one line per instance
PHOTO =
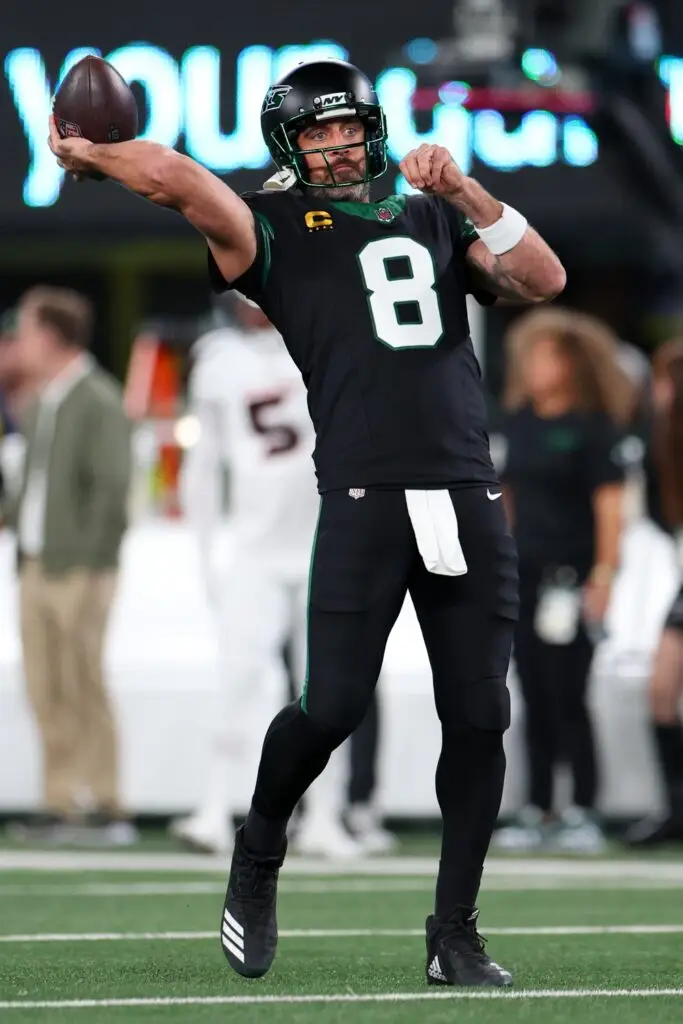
370,300
553,467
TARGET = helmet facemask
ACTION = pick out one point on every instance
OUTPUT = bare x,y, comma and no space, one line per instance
287,155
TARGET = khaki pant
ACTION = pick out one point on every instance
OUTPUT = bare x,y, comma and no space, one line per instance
63,626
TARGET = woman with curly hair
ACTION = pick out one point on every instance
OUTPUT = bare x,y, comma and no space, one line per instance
664,478
566,399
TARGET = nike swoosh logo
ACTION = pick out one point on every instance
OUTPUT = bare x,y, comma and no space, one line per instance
493,497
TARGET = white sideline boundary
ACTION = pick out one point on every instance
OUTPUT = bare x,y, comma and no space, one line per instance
344,933
377,997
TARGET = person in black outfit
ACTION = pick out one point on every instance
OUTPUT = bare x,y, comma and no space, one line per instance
566,397
664,490
370,298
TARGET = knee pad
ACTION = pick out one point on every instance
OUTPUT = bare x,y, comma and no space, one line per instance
486,704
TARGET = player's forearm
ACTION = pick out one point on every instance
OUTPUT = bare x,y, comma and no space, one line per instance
170,179
143,167
475,203
529,271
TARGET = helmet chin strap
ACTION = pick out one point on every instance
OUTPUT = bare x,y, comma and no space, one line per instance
280,181
284,180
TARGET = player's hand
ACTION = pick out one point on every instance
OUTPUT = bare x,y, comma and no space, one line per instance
433,169
72,154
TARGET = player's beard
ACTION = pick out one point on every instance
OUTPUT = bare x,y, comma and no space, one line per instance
358,192
355,190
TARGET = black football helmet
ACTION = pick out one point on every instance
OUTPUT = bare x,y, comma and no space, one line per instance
315,92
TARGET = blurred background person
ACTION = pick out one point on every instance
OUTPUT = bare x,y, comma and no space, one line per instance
566,397
363,812
664,486
17,389
4,429
251,409
8,371
70,518
6,426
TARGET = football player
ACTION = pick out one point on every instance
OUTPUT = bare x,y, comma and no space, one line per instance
250,404
370,298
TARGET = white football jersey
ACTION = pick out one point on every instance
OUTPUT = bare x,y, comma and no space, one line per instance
251,405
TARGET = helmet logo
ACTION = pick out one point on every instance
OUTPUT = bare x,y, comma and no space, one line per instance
331,99
275,97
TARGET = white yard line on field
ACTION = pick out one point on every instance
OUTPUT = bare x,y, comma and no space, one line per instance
342,887
286,887
345,933
533,872
376,997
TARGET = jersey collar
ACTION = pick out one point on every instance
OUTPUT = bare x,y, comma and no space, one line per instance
385,211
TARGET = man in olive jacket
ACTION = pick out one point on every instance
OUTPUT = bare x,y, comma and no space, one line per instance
70,518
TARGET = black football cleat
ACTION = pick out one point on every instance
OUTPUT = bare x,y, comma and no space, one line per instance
249,922
456,954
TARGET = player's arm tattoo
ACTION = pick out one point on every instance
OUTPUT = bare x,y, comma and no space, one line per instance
528,273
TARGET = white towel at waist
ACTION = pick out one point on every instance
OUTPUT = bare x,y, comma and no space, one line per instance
435,525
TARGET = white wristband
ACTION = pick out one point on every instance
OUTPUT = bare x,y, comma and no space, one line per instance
505,233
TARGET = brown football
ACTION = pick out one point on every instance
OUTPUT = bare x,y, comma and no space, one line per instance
96,103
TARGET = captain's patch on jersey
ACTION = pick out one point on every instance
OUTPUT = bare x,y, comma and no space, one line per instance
318,220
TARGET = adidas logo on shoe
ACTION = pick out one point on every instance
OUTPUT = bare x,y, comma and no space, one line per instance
435,971
232,936
456,954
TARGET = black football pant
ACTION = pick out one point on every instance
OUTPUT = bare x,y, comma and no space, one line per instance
364,753
364,744
364,561
554,681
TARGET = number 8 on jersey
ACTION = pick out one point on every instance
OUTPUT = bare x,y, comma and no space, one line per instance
400,281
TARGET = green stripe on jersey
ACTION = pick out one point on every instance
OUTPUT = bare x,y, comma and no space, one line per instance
304,692
267,234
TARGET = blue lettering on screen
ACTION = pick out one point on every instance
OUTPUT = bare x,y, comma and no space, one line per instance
183,99
671,74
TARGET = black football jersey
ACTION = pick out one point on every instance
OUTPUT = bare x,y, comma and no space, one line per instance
370,300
